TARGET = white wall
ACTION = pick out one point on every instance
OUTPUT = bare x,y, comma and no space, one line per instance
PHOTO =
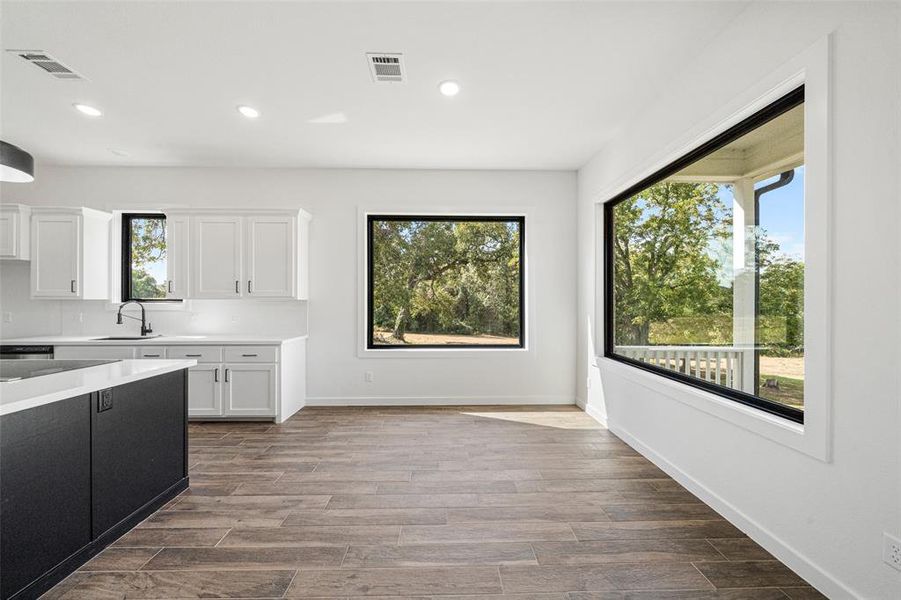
825,519
544,373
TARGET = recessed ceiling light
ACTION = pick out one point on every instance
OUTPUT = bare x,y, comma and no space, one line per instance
88,110
249,112
449,88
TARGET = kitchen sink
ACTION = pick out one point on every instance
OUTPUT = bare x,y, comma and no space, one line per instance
126,337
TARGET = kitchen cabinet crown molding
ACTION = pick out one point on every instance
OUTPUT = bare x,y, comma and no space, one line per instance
297,212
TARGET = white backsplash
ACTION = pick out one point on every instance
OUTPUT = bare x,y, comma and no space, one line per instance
73,317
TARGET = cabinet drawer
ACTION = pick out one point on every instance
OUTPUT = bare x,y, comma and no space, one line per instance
254,354
152,352
202,354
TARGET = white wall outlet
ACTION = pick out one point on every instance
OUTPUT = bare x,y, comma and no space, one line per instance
891,550
368,377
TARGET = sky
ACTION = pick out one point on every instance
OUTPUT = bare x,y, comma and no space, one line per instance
782,214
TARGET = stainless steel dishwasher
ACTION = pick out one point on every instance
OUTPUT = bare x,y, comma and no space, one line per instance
13,351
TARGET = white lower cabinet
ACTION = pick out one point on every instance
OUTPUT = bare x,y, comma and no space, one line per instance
229,381
204,391
249,389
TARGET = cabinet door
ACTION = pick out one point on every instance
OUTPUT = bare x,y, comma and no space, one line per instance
249,390
9,234
177,237
205,391
271,257
216,257
45,466
55,256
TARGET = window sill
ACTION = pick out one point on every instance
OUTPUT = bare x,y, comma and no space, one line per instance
415,353
152,307
809,440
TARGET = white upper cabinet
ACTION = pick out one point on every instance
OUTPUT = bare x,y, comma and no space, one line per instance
237,254
271,257
70,253
177,252
216,256
15,229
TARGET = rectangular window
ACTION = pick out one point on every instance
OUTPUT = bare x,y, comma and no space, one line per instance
704,274
445,281
143,257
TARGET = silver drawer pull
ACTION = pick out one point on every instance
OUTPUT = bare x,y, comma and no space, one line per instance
193,355
226,375
170,286
72,286
216,375
151,356
249,355
237,287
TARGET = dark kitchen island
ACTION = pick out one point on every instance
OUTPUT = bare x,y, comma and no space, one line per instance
85,455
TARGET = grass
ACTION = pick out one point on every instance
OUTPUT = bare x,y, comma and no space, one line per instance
790,392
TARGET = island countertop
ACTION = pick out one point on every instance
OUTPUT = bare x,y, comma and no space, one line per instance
37,391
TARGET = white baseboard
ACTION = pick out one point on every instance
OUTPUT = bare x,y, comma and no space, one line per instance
817,577
592,411
438,400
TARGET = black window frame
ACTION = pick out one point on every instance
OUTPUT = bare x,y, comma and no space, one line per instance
125,292
782,105
519,219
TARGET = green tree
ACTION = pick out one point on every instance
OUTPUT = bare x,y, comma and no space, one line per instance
446,276
148,246
664,265
782,298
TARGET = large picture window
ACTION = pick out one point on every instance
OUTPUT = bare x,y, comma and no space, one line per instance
445,281
144,257
704,265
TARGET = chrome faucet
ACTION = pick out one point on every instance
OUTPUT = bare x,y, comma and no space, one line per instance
145,326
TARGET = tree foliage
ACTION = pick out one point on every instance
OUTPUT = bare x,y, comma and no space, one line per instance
148,246
451,277
672,277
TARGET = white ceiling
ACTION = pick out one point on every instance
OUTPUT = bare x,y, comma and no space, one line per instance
544,84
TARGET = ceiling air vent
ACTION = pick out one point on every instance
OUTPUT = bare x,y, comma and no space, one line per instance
386,67
50,65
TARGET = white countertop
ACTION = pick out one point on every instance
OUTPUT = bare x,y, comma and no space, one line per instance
37,391
163,340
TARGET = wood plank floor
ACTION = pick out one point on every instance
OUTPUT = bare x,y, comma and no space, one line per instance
538,503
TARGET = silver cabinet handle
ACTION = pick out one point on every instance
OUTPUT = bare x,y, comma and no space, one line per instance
216,375
249,287
151,356
193,355
72,287
237,286
226,375
170,286
250,355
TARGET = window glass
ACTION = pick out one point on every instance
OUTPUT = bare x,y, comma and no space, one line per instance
445,281
707,265
144,257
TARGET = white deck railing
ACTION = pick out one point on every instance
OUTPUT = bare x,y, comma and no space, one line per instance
718,364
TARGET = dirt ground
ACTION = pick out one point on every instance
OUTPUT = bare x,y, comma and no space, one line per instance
782,367
384,337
